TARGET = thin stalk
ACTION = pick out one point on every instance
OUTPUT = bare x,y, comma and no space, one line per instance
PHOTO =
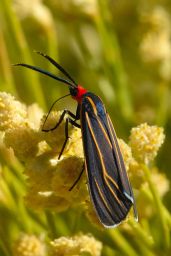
4,243
165,210
141,234
143,249
165,236
114,66
121,242
32,86
6,188
6,67
163,103
52,50
52,46
107,251
51,224
56,225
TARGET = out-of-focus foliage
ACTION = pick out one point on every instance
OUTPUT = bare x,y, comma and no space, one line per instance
120,50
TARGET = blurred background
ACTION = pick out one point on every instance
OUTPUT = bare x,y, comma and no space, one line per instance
120,50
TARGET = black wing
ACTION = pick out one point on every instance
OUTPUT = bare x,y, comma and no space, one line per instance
109,186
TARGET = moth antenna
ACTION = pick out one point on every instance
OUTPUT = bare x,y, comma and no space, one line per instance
58,66
47,73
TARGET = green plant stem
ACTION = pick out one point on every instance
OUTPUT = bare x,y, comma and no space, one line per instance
121,242
142,235
165,236
13,190
113,59
56,225
6,67
51,224
8,190
52,44
166,212
143,249
32,86
4,243
163,103
107,251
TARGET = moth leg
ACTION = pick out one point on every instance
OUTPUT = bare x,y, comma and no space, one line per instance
60,120
77,180
68,120
66,111
74,123
77,115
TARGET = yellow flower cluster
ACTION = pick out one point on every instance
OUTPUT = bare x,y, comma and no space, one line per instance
145,142
49,178
29,245
76,246
12,112
126,153
19,130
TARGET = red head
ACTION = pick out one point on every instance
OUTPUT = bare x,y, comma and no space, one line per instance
77,93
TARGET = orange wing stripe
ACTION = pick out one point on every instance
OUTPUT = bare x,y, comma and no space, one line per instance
117,155
101,195
93,105
102,163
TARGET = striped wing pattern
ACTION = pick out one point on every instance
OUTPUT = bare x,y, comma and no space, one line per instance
109,186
